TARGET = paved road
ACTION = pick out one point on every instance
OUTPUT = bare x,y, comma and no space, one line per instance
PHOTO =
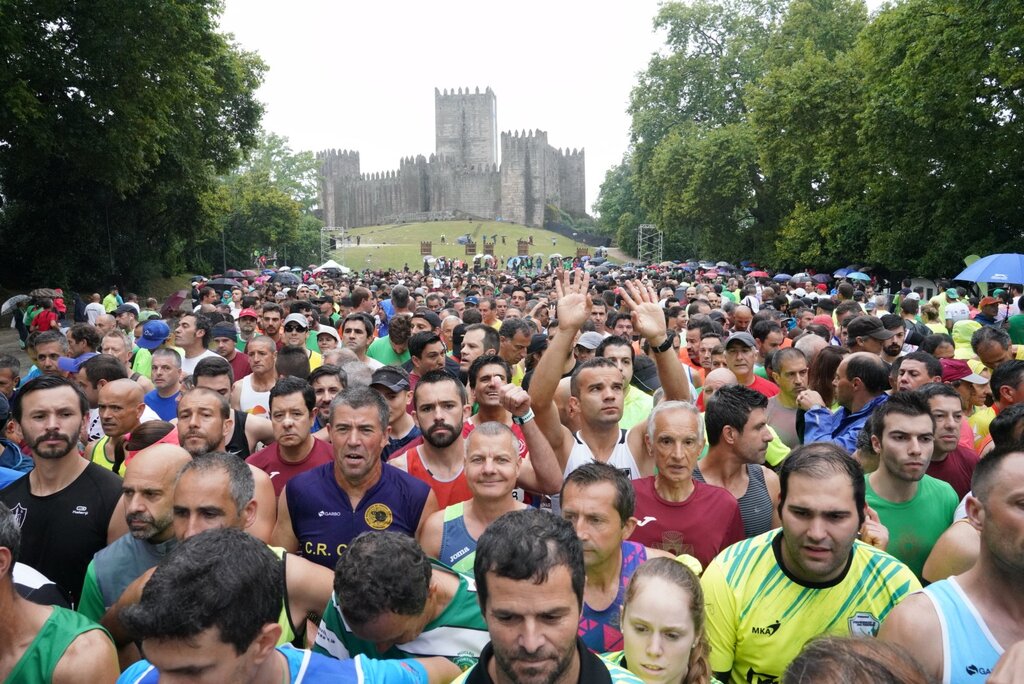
9,343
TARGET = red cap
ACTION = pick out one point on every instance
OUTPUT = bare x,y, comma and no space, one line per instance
248,313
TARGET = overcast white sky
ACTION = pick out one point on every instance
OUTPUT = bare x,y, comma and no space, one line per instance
360,75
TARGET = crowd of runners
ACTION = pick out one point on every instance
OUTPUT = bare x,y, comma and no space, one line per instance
530,476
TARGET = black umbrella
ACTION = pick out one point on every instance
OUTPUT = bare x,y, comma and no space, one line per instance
220,284
44,293
285,278
233,273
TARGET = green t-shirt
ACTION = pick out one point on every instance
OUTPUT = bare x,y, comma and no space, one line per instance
459,633
380,350
914,526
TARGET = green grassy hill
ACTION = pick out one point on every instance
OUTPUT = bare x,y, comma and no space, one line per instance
395,245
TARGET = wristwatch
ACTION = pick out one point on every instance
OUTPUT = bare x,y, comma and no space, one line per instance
663,347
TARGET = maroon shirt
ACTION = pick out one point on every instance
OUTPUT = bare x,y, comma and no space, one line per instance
707,522
269,461
240,366
957,469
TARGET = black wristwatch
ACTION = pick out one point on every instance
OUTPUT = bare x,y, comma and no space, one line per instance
664,346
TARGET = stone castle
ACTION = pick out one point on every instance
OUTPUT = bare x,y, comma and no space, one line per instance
463,178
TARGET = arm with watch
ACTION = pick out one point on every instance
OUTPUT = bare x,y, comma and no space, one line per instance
539,472
649,321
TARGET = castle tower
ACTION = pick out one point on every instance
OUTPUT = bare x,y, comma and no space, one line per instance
466,126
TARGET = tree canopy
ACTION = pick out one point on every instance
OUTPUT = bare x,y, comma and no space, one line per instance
810,134
116,117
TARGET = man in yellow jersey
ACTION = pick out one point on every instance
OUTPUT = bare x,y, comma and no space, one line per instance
770,594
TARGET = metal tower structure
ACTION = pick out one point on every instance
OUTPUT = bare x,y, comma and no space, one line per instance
648,243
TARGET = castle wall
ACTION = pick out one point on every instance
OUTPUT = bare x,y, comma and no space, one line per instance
461,177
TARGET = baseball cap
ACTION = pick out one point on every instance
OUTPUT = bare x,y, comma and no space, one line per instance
248,313
471,300
154,333
224,331
297,318
868,326
392,377
989,301
125,308
328,330
538,343
744,338
590,340
958,369
72,365
952,293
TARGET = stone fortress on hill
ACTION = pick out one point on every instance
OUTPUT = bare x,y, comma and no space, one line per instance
463,178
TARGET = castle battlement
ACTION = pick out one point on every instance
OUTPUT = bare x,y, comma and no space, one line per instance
462,176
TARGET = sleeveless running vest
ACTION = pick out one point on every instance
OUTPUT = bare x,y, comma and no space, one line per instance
969,651
239,443
755,504
600,629
448,492
98,455
251,401
37,664
458,548
621,457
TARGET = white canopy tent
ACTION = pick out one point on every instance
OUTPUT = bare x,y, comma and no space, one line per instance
331,263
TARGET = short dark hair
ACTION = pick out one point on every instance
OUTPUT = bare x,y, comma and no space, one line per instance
491,338
931,364
437,376
399,329
361,397
985,472
381,572
1002,426
272,307
49,336
10,362
419,342
292,385
361,318
47,382
292,360
595,473
83,332
105,367
589,364
487,360
222,401
614,341
937,389
527,545
871,371
1009,374
932,342
903,403
203,323
820,460
511,327
329,370
223,578
731,406
213,367
763,328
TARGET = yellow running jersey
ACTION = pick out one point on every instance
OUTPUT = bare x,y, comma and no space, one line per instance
759,617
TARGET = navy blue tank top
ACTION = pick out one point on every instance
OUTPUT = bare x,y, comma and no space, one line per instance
324,521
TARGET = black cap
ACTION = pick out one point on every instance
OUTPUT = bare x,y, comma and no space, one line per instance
392,377
868,326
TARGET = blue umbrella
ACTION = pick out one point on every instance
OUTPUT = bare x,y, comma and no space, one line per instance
995,268
841,273
821,278
857,275
782,277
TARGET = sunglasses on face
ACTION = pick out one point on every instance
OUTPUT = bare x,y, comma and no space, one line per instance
292,327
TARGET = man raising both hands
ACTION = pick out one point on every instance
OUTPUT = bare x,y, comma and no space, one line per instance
597,387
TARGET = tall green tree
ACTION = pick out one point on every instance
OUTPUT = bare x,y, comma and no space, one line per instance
115,117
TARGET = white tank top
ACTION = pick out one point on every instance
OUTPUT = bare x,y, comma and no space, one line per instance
251,401
621,457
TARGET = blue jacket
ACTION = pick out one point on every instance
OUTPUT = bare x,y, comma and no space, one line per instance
841,427
11,457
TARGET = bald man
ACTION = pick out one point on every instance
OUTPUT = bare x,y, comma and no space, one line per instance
121,405
148,497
